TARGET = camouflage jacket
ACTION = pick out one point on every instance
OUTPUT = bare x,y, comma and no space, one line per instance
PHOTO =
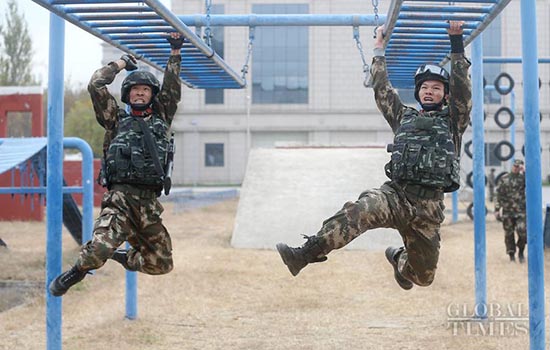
106,107
511,195
459,101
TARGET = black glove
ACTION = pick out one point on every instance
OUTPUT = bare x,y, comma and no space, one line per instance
131,62
176,44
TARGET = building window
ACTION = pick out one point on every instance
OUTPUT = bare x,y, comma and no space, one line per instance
215,96
19,124
280,62
492,46
213,155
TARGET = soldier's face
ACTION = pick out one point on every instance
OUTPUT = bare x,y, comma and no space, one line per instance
431,92
140,94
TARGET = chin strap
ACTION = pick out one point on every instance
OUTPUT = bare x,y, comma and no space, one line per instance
141,112
428,107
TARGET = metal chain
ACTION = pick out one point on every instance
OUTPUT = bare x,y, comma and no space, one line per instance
208,30
362,54
251,35
376,18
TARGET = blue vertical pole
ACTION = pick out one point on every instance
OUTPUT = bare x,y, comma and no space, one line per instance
513,126
455,207
87,184
54,189
533,179
131,293
479,177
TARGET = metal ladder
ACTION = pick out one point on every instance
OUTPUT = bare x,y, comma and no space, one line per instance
416,32
139,28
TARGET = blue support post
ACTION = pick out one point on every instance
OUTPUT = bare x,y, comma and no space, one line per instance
455,207
479,178
87,184
54,190
513,126
131,293
533,179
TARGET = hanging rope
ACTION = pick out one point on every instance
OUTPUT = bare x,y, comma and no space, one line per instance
366,70
208,31
251,32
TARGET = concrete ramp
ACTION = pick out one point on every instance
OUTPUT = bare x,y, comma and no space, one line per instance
291,191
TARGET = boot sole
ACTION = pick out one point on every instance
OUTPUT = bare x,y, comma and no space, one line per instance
406,285
282,249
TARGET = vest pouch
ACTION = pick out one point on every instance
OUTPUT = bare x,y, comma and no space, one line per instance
138,162
122,162
424,123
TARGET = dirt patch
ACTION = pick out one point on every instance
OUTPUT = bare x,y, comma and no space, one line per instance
218,297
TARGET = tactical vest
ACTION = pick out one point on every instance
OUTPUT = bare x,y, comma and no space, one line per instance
423,152
128,159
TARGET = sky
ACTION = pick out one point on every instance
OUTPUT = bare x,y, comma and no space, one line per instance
82,50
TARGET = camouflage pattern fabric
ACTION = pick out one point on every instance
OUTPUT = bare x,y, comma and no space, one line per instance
417,220
511,199
106,107
126,216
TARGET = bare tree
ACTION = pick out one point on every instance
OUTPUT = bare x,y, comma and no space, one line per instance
15,49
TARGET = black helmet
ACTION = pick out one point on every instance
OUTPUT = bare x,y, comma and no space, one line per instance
430,72
139,77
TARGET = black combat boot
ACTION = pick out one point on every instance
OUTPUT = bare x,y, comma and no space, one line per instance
521,256
392,254
61,284
297,258
121,257
512,257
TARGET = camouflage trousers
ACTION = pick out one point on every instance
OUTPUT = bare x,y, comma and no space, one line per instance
512,224
127,217
417,220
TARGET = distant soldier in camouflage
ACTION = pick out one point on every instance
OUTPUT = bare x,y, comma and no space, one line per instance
136,149
510,209
424,164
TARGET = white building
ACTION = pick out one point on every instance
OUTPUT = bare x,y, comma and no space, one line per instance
305,88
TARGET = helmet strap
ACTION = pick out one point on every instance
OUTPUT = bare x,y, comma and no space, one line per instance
428,107
140,110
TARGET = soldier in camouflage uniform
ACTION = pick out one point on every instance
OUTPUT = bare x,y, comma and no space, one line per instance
510,209
135,154
424,164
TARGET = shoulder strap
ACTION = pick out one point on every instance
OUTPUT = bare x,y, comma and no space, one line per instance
150,144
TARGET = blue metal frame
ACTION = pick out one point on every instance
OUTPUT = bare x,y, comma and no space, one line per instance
533,178
201,66
480,249
54,191
416,33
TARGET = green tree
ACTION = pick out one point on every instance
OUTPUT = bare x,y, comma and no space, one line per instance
80,122
15,49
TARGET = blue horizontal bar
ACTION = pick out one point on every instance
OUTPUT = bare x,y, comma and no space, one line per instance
86,2
413,24
38,190
439,17
465,1
511,60
100,9
413,8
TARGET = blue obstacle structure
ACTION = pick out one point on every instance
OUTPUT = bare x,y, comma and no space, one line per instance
15,152
415,33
